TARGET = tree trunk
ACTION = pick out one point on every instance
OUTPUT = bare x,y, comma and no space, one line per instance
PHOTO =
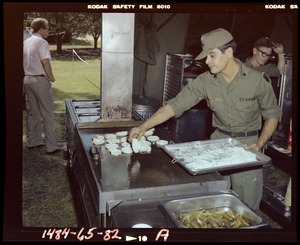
95,42
59,42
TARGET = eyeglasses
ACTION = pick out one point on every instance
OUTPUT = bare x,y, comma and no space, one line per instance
264,54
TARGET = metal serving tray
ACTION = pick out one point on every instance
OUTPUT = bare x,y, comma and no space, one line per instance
199,157
179,208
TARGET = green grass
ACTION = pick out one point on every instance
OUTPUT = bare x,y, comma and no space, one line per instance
75,80
47,200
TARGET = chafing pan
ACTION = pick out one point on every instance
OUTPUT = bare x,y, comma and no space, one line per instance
176,209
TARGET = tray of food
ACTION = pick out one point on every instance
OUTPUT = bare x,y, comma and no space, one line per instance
200,157
213,211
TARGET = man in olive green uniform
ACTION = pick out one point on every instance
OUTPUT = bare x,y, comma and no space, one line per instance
261,54
239,98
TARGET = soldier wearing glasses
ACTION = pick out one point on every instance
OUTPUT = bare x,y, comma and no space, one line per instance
263,52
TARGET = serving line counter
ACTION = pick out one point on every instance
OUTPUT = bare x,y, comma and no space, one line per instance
111,180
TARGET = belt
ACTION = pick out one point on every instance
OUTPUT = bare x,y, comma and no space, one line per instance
36,75
241,134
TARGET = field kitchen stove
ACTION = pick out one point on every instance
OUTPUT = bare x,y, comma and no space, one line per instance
100,185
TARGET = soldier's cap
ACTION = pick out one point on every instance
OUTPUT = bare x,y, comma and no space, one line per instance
214,39
263,42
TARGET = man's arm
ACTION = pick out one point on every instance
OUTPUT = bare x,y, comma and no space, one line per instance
279,50
281,63
48,69
268,129
163,114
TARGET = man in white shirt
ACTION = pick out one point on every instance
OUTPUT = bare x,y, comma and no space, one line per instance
37,86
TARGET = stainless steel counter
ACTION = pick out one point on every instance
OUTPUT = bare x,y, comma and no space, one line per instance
113,179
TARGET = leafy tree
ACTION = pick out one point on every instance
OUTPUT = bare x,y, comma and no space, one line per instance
94,26
78,24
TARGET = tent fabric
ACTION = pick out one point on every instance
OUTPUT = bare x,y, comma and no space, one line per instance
146,42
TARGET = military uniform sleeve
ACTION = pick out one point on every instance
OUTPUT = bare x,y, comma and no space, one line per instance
189,96
267,100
